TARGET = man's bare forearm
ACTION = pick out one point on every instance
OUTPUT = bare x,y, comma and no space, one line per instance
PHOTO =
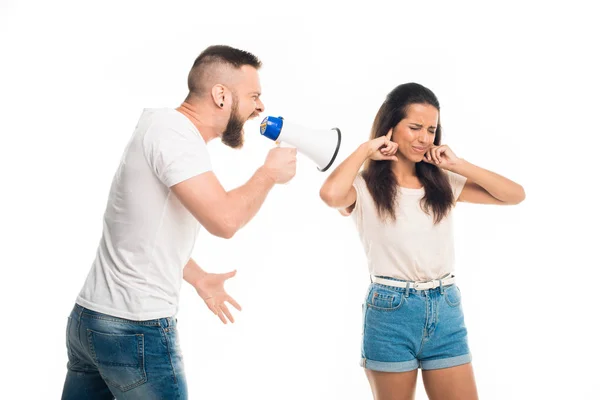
244,202
192,273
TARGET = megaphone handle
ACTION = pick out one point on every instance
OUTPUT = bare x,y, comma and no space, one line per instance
283,144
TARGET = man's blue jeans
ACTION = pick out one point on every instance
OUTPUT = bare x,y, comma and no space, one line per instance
112,357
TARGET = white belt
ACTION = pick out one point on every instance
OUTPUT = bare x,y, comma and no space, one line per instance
415,285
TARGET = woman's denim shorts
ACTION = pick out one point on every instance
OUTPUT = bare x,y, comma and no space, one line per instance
405,329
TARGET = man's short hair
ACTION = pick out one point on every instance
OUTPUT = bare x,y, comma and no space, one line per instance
218,54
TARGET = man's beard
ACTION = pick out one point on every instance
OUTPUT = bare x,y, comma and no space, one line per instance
233,136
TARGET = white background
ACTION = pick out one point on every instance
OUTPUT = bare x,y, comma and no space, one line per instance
518,84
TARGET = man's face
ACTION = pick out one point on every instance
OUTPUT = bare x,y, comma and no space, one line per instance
246,104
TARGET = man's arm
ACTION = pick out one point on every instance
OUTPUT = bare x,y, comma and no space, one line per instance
193,274
224,213
211,288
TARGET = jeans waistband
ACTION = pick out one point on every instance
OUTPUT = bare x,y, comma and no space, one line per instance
79,311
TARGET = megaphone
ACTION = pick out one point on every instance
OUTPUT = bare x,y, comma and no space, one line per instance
321,146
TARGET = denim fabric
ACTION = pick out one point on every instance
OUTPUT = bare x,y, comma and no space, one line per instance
112,357
405,329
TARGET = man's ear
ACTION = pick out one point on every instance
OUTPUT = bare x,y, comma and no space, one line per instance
218,95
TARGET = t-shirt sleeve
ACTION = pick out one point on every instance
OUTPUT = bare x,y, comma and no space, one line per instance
457,182
175,153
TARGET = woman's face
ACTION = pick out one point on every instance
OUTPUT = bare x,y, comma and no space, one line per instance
416,132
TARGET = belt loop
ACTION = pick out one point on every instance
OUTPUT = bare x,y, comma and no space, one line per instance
441,286
407,289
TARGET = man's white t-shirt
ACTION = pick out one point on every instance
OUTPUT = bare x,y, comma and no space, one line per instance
412,248
148,235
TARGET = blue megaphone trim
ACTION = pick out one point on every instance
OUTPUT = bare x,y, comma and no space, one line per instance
271,127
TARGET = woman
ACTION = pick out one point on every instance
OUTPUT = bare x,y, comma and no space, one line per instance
402,206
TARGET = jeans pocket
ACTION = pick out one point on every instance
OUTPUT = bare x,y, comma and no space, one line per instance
383,299
452,295
119,358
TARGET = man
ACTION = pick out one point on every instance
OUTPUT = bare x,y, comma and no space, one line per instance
121,335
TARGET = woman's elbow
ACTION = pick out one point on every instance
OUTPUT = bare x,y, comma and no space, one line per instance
328,196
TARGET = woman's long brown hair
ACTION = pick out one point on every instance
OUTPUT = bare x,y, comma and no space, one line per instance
378,175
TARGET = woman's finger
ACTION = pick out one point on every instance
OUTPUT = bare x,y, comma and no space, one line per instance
427,156
440,151
434,155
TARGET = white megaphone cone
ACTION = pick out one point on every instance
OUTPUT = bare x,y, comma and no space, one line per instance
320,145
